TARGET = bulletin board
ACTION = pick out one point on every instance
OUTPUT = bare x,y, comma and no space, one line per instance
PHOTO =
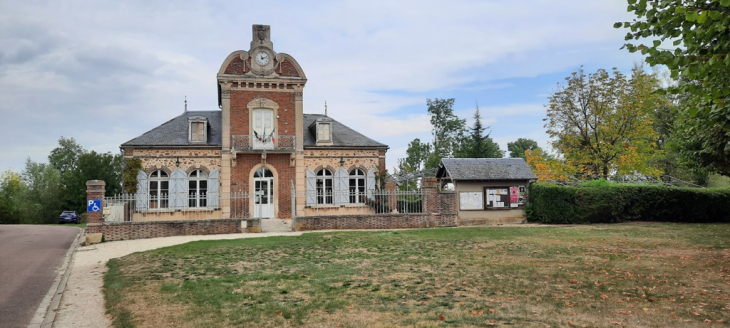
471,200
498,197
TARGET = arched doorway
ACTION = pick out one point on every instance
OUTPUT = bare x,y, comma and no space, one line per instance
263,180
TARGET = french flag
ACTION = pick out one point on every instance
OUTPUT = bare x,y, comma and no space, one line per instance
273,139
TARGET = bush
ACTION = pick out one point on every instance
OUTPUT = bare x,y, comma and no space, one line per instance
552,204
605,202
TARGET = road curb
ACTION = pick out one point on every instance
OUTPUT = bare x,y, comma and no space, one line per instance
46,312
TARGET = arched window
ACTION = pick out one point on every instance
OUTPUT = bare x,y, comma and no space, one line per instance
324,187
198,189
263,173
159,190
357,186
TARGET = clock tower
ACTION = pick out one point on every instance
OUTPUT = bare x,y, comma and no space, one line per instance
260,95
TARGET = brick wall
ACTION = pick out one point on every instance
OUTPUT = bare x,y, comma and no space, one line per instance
285,124
446,202
236,66
375,221
288,69
284,173
440,212
138,230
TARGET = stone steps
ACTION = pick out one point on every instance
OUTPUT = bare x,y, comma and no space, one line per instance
276,225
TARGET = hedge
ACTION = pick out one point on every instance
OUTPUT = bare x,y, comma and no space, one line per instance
620,203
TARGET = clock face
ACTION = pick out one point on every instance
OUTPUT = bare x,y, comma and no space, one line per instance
262,58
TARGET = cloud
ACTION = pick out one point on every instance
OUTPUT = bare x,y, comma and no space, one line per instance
105,72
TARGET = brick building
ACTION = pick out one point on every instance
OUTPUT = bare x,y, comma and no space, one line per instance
259,143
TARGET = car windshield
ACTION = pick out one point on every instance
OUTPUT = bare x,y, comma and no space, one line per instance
68,212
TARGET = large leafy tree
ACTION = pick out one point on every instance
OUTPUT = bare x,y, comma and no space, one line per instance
699,31
477,143
92,166
41,201
602,122
447,130
64,157
76,166
417,155
12,190
546,167
517,148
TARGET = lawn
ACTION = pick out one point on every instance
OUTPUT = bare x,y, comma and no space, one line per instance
634,275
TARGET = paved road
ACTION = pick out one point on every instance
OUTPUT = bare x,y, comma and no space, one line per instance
30,256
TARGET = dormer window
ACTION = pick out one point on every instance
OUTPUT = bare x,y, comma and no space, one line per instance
198,127
322,128
324,132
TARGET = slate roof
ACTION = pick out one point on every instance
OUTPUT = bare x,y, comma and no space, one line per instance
342,135
485,169
175,132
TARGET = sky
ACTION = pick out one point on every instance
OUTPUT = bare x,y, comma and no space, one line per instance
104,72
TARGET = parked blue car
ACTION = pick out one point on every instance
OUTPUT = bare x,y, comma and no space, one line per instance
69,216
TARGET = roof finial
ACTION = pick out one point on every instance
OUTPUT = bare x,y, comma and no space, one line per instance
186,103
325,108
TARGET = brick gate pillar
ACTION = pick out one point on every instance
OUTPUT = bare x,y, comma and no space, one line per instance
430,194
95,190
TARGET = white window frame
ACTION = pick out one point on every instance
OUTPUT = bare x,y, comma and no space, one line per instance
324,132
197,189
260,126
158,197
195,134
325,193
356,187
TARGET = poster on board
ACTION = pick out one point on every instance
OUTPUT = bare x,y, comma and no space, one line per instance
514,195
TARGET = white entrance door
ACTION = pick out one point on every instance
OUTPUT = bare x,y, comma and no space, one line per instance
263,193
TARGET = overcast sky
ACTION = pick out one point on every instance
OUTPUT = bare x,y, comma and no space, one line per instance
104,72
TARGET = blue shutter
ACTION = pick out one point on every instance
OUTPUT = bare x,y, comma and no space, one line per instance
213,185
178,190
370,183
311,188
341,187
141,197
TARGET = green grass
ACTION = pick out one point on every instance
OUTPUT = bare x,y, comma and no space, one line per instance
80,225
114,284
596,276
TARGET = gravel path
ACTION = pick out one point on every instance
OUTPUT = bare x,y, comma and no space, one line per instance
82,304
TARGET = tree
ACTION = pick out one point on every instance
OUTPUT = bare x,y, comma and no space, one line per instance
447,130
12,190
92,166
417,154
547,167
701,66
518,148
64,157
477,144
41,201
602,123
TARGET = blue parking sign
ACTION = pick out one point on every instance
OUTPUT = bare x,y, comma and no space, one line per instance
94,206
